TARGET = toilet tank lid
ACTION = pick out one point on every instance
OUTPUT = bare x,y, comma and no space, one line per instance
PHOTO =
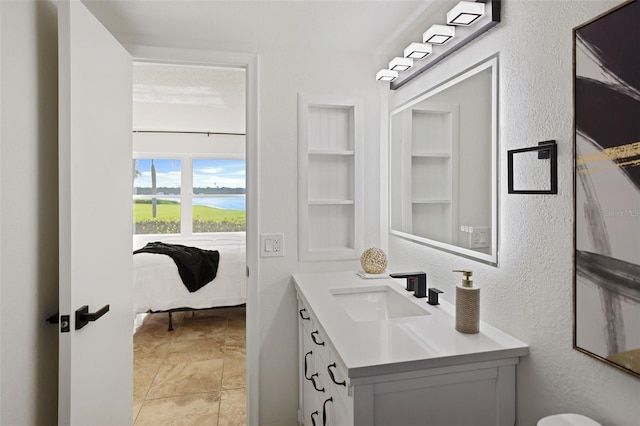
568,419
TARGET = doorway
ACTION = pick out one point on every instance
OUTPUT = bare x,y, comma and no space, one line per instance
189,168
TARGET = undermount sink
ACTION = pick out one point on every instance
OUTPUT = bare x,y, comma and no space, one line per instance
376,303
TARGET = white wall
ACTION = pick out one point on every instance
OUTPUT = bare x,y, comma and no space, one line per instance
0,207
29,220
529,294
282,76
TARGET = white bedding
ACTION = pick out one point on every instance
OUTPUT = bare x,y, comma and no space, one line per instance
157,285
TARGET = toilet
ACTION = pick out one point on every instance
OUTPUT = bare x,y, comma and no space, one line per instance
567,420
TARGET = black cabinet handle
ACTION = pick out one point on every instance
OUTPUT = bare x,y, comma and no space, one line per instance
302,316
83,316
313,380
344,383
313,337
312,419
324,411
305,365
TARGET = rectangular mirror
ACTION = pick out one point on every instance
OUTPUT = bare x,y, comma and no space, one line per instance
443,165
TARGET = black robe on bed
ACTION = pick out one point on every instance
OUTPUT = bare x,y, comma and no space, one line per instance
196,267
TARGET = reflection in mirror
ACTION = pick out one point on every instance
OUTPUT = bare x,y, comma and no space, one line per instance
443,172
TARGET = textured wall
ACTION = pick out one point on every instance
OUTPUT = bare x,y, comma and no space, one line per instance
529,294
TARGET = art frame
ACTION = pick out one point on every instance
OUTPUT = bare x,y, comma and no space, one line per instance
606,101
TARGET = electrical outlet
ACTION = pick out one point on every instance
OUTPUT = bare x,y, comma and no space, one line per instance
271,245
479,238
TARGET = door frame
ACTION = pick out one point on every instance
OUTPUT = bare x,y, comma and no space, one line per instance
250,63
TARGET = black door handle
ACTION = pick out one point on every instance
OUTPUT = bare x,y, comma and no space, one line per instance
54,318
83,316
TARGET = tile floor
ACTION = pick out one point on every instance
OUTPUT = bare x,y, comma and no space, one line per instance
194,375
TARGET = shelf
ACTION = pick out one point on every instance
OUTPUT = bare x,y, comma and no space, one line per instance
330,177
432,154
330,202
331,226
324,152
431,201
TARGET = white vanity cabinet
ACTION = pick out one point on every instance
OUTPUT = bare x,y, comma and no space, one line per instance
322,379
405,371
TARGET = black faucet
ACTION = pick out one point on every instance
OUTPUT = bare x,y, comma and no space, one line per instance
433,296
416,282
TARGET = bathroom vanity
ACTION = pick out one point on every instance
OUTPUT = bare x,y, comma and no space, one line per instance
373,354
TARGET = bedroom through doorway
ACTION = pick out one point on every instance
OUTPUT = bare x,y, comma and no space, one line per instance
189,193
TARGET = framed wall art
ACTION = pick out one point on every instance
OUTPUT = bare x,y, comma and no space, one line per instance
607,187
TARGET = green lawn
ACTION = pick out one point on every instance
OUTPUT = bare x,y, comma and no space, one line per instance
167,220
171,212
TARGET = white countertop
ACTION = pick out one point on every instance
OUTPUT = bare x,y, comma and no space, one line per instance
403,344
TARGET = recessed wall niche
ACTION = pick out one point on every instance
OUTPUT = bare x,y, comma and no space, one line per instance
329,178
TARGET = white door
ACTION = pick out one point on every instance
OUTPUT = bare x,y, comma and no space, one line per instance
95,77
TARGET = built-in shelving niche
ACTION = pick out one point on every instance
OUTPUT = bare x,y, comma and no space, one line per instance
427,155
330,217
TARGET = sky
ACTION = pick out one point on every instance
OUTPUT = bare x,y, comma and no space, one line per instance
206,173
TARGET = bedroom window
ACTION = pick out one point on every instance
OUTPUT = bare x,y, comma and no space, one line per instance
214,198
157,196
219,195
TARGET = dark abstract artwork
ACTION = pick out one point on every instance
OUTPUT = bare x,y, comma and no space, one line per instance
607,187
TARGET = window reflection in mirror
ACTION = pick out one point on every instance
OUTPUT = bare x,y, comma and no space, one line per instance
443,171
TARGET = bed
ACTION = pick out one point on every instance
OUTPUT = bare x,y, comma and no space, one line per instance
157,286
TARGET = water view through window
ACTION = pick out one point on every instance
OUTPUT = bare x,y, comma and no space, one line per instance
219,199
217,196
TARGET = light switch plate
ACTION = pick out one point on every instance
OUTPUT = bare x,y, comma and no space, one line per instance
271,245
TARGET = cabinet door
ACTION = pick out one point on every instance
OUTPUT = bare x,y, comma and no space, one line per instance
335,412
338,378
312,411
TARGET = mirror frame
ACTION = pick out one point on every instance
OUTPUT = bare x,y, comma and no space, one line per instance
492,257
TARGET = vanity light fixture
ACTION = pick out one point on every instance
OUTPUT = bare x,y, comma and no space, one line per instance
417,50
386,75
400,64
472,18
438,34
465,13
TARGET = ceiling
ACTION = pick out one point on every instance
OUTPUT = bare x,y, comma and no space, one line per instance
252,26
188,98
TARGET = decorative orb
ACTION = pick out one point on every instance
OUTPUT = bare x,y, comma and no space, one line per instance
373,261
